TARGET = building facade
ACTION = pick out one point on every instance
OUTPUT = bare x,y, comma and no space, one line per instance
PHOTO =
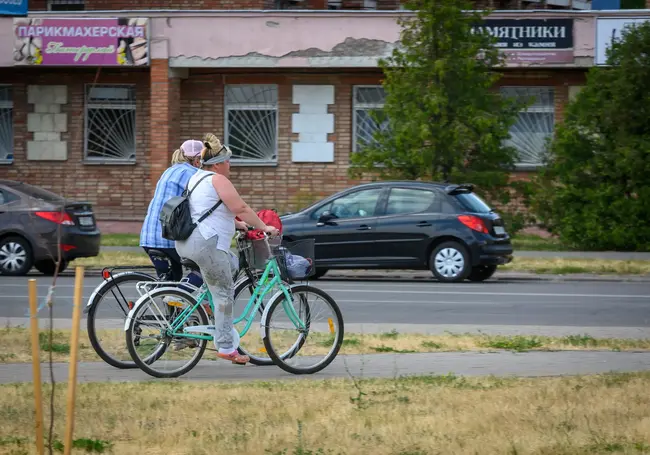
93,102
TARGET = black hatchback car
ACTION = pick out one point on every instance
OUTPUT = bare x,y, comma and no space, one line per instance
445,228
30,218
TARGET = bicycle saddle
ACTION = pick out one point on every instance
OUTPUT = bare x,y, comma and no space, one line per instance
157,254
190,265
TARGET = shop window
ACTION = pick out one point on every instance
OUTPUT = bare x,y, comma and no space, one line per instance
6,125
66,5
110,123
367,99
251,119
534,125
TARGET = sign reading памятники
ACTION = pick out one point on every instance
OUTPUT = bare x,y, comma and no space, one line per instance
81,42
532,40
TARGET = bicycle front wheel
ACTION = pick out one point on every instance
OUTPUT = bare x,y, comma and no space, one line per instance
304,335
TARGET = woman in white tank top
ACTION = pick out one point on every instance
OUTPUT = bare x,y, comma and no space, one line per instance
209,244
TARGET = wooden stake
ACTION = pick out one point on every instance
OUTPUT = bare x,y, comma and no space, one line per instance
36,367
74,350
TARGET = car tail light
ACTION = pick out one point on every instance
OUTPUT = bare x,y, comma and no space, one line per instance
473,222
56,217
67,248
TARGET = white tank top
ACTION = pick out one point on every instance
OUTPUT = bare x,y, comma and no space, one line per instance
221,222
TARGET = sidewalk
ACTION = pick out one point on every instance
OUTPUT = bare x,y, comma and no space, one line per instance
530,364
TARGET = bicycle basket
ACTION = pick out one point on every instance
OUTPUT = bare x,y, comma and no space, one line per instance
257,252
296,259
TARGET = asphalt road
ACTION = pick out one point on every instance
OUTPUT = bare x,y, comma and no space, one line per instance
552,308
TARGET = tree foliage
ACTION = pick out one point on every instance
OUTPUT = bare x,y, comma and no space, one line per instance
595,189
445,121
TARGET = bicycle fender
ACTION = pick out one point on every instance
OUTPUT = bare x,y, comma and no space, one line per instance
145,298
105,283
265,315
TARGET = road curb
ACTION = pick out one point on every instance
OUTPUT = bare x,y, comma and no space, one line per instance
423,276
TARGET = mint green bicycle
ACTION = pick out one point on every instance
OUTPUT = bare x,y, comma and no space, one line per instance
291,335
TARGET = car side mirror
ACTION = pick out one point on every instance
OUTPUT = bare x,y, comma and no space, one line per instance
326,218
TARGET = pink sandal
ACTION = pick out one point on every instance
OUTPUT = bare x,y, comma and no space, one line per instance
235,357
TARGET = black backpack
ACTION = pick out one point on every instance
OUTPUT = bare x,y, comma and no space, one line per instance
175,216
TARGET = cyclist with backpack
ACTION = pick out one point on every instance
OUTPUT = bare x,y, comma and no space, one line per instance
213,204
185,162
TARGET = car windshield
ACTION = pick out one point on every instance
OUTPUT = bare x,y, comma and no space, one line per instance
36,193
473,203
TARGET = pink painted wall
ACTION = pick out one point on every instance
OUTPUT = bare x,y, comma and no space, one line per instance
269,35
6,41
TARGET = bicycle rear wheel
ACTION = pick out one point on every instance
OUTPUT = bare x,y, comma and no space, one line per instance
295,334
108,307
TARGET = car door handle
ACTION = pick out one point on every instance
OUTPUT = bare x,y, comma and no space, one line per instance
423,224
364,227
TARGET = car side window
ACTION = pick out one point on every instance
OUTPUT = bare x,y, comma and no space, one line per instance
359,204
410,200
6,197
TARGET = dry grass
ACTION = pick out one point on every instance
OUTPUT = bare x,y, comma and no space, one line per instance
534,265
15,344
601,414
563,266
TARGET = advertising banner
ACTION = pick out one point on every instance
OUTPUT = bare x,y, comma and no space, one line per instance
81,42
537,41
13,7
609,29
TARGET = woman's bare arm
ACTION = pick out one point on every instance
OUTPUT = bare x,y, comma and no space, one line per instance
235,203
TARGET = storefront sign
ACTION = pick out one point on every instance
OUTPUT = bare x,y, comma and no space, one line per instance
81,42
532,40
608,29
13,7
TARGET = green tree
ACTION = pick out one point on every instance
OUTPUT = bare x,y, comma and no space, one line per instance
595,189
445,121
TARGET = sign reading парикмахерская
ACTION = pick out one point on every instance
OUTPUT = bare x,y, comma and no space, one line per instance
81,42
533,40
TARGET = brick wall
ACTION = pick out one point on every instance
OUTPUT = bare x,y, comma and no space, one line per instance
189,108
107,5
95,5
117,191
287,184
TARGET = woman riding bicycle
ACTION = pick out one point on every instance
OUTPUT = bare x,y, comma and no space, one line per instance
185,162
209,244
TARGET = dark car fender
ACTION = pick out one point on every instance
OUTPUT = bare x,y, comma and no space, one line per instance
451,235
16,230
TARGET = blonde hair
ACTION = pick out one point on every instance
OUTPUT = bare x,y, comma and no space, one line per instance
213,148
179,157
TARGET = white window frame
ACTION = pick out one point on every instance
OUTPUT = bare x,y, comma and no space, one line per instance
361,106
535,109
8,104
127,105
252,106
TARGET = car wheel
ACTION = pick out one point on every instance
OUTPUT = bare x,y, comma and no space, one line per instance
15,256
48,266
481,272
450,262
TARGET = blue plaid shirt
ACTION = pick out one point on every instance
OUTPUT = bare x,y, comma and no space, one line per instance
171,183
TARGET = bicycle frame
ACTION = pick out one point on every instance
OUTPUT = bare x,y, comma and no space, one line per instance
263,286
